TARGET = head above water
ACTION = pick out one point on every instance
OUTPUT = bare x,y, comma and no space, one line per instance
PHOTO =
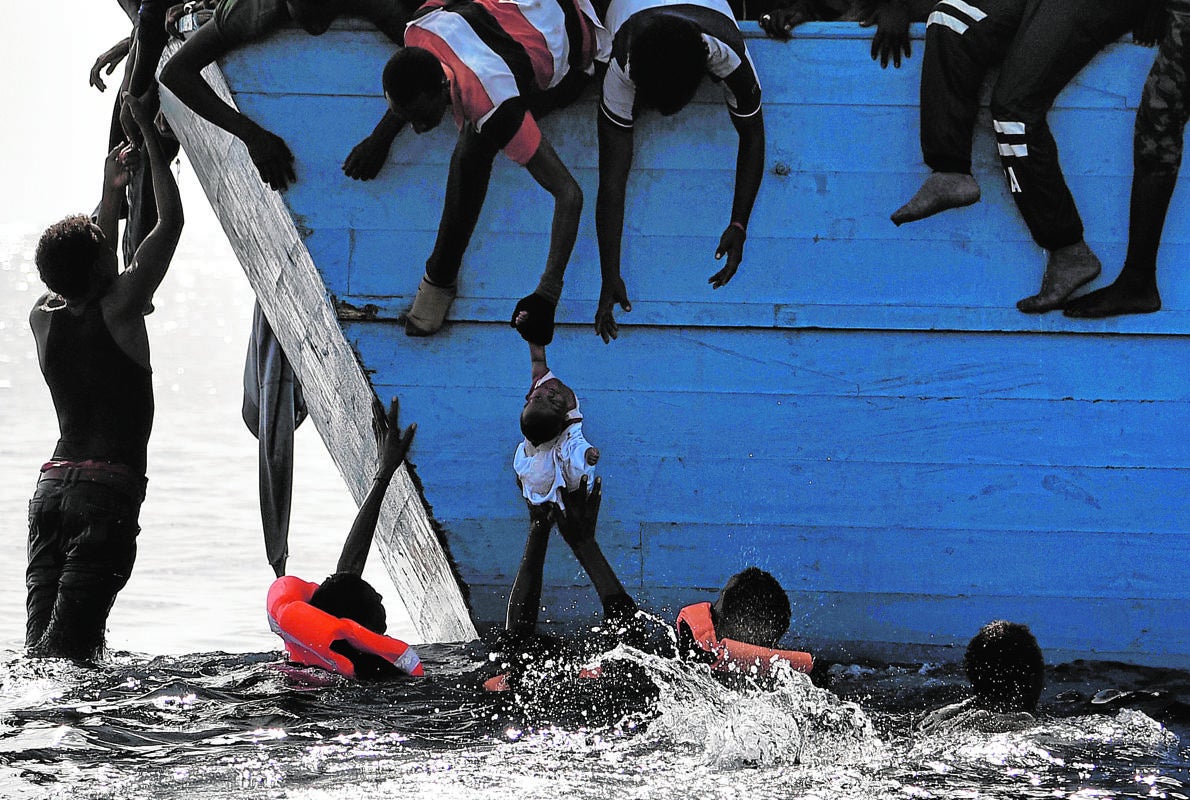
666,62
1005,666
348,596
416,87
73,258
313,16
545,413
753,608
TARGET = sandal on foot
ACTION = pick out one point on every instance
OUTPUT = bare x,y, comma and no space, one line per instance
429,309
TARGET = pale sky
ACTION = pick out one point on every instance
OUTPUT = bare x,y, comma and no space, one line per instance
54,130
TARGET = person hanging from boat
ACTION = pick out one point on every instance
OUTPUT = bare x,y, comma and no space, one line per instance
737,636
1006,669
660,52
498,67
93,350
237,22
339,625
1157,143
891,18
1040,46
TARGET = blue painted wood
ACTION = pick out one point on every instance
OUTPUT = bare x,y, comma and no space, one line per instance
861,411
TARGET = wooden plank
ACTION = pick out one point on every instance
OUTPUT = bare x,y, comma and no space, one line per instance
269,247
870,364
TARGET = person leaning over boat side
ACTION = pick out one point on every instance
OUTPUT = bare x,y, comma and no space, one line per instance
660,52
237,22
1157,144
1007,673
1042,45
339,624
93,350
891,17
498,66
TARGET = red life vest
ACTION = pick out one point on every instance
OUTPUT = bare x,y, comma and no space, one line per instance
308,632
738,655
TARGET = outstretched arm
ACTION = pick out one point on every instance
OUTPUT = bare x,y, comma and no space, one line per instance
551,174
749,170
108,61
577,525
393,449
136,285
524,599
182,75
615,160
116,173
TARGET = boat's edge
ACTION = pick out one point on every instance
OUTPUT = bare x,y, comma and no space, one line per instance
340,398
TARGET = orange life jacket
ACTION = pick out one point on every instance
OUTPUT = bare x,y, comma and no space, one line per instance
308,632
733,655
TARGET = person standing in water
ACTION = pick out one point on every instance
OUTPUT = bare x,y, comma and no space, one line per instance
93,350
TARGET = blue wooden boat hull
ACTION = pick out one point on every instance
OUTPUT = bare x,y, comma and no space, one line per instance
861,411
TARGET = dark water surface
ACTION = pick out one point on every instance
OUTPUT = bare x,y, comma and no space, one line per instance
223,725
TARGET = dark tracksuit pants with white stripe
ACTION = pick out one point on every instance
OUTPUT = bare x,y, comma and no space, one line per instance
1041,45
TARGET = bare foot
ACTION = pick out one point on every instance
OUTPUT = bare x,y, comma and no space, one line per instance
941,191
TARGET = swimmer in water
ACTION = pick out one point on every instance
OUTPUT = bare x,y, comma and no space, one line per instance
93,350
1007,673
339,624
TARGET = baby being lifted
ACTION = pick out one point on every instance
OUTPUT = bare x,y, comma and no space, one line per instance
554,455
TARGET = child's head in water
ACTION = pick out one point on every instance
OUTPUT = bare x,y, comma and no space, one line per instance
1005,667
348,596
545,413
753,608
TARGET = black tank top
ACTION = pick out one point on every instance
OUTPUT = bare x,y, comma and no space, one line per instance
104,399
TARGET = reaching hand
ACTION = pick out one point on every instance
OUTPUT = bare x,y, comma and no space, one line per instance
578,522
110,59
731,244
366,159
541,513
613,292
394,446
142,111
272,158
781,21
533,319
891,39
118,166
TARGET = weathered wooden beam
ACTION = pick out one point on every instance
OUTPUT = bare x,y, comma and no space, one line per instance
271,251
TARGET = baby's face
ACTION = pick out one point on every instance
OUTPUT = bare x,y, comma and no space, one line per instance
550,397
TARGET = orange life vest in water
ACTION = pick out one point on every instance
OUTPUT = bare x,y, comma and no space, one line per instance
308,632
733,655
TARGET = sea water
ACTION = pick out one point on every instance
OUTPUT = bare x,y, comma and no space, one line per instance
193,700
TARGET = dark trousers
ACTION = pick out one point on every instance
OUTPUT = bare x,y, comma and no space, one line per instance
82,544
1040,46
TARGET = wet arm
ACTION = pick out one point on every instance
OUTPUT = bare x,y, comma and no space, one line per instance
524,599
394,446
153,256
577,525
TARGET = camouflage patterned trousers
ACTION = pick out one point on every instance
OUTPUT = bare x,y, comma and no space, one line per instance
1165,102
